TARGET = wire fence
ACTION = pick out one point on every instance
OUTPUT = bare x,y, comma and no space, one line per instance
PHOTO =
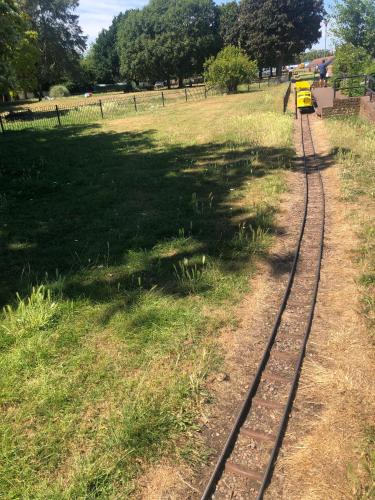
286,97
60,115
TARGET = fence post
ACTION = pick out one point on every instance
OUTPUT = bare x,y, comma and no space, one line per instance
366,83
101,108
135,103
162,99
58,115
2,125
186,96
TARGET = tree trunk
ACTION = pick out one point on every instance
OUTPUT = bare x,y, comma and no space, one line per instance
180,82
271,73
232,87
280,64
260,74
168,83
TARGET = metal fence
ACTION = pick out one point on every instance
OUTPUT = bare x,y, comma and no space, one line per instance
79,113
354,85
286,97
82,113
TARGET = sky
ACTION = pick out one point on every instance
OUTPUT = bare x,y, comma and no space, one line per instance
98,14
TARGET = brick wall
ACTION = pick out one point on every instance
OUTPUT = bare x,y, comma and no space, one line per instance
343,106
367,108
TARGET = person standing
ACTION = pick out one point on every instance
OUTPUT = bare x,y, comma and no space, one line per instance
322,68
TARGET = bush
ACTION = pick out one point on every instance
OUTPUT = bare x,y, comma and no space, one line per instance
59,91
351,60
230,68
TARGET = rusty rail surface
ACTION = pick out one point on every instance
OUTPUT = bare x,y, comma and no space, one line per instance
299,289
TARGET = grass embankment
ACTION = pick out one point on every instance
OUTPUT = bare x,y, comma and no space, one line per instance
354,139
128,243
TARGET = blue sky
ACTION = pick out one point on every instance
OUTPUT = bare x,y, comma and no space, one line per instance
96,15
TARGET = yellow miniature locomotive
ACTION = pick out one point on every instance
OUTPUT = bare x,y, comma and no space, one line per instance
304,95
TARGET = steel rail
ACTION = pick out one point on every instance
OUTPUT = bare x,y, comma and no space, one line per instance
293,390
246,406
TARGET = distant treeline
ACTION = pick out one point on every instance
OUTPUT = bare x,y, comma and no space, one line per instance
172,38
42,44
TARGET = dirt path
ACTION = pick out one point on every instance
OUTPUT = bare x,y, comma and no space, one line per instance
335,399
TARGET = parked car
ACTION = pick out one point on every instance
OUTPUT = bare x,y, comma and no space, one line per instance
159,85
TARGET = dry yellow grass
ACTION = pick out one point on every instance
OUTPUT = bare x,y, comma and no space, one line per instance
329,458
79,100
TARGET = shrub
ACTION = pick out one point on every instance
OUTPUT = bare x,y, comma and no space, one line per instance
230,68
59,91
351,60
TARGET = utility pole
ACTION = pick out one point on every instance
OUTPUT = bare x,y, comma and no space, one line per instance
325,35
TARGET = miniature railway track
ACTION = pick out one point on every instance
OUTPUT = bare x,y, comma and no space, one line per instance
251,450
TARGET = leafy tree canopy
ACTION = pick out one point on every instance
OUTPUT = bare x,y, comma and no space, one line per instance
230,68
354,23
167,38
105,61
12,26
275,31
228,23
351,60
60,38
26,61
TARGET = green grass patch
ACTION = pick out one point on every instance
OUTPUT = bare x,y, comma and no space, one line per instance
124,247
354,139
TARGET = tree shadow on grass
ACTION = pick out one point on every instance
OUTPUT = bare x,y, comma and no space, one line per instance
93,206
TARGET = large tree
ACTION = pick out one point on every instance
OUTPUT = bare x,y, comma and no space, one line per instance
275,31
12,26
228,23
168,38
60,39
135,45
105,60
26,62
354,23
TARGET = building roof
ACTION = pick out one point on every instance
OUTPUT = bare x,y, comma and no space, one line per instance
315,62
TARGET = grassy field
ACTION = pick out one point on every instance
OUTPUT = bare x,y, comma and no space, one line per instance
76,110
354,140
171,95
124,247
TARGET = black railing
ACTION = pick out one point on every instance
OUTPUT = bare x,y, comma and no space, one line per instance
353,85
370,87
